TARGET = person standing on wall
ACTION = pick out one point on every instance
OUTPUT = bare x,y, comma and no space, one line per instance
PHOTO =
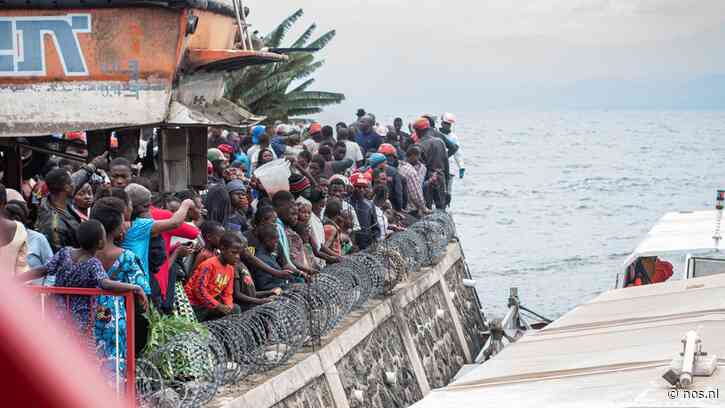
435,159
447,122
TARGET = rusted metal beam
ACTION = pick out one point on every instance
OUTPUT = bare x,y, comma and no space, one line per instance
229,60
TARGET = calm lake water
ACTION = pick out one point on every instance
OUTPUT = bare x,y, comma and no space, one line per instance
553,202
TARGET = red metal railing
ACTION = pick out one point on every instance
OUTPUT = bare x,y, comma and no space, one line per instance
130,333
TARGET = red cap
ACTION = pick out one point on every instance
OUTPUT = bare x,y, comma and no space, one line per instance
225,148
387,149
76,135
421,124
315,128
361,179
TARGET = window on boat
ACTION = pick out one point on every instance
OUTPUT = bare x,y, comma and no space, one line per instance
705,266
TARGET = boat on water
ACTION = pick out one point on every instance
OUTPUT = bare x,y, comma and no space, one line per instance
638,345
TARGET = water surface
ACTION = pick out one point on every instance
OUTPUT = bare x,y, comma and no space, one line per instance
553,202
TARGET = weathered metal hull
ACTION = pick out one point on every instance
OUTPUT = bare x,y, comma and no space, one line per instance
130,58
106,68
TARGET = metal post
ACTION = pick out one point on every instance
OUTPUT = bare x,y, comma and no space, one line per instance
130,350
14,167
117,366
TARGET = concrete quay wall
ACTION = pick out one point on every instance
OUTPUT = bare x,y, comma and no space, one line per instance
390,353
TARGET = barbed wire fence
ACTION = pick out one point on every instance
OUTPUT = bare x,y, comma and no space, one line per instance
189,369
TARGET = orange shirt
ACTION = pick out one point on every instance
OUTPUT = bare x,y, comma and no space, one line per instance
210,282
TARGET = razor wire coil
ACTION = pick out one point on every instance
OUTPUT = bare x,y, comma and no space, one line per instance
189,369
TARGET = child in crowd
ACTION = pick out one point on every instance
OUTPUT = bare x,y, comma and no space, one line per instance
246,294
79,268
388,218
267,252
211,287
333,231
212,232
317,252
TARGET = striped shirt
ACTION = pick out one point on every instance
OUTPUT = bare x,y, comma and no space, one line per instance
414,184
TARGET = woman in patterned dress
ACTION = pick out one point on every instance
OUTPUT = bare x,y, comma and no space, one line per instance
121,265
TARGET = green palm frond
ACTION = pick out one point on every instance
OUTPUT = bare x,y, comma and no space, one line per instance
323,40
281,90
303,112
302,87
315,96
311,103
304,37
275,37
279,80
307,70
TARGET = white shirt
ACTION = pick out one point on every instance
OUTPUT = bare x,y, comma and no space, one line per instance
382,222
318,230
458,157
352,151
311,145
253,153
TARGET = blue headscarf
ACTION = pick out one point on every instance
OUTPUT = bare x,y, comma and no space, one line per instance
242,158
376,159
257,133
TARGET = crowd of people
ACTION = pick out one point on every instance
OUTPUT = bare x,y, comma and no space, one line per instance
234,244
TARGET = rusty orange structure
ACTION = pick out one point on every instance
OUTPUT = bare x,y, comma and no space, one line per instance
87,65
105,65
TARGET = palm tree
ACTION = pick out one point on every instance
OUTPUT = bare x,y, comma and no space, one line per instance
280,90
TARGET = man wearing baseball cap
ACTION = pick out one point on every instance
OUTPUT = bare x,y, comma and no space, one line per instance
447,122
369,229
435,157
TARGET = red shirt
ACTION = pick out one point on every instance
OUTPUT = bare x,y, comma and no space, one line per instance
210,283
187,231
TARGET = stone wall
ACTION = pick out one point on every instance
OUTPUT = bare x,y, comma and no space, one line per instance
464,300
388,354
377,374
315,394
431,325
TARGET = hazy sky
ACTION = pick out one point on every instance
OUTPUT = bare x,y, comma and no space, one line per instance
419,54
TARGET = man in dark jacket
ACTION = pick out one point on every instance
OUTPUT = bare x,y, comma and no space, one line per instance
451,147
366,136
435,158
57,219
403,138
369,228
